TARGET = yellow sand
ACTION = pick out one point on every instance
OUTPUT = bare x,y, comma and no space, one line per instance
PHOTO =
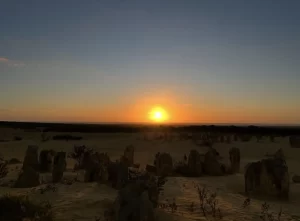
84,201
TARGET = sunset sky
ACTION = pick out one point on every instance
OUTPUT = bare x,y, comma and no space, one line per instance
113,61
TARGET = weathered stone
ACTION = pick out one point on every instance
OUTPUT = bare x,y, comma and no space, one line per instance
164,164
236,138
28,178
59,166
133,204
279,154
45,161
211,164
194,163
235,159
150,168
268,177
118,174
92,169
222,139
31,157
296,179
128,157
228,139
294,141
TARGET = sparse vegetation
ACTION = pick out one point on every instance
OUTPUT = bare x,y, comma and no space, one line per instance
16,208
209,200
66,137
3,170
78,153
266,215
48,188
202,194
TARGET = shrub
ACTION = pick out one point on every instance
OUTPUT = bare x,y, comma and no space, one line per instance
16,208
78,153
266,215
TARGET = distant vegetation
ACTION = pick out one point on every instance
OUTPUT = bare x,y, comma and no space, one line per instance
66,137
133,128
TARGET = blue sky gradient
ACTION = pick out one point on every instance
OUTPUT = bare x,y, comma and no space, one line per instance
107,60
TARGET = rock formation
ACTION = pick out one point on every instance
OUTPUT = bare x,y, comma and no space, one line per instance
128,156
164,164
31,158
211,164
194,163
59,166
296,179
235,158
28,178
268,176
294,141
45,161
133,204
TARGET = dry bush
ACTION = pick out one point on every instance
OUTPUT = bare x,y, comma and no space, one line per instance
207,200
78,152
48,188
3,169
202,194
246,203
266,215
172,206
16,208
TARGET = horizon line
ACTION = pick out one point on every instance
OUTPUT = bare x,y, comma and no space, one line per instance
158,124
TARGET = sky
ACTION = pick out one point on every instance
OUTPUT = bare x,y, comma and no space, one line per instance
203,61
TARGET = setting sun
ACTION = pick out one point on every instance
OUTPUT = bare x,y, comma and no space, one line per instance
158,114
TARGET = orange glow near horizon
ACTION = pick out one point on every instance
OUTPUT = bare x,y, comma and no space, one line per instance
158,115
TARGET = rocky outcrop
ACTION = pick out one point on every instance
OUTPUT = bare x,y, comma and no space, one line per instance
164,164
45,161
28,178
267,177
211,164
117,174
128,157
294,141
194,163
235,159
296,179
59,166
133,204
31,157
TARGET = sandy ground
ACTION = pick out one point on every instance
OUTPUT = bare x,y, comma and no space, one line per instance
85,201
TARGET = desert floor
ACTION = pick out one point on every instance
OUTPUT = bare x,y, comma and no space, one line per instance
85,201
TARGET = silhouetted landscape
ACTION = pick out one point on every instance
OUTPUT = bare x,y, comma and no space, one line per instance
149,110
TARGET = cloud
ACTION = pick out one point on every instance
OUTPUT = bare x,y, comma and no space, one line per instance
11,62
4,60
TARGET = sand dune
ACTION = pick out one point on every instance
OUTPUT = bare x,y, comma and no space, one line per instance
85,201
